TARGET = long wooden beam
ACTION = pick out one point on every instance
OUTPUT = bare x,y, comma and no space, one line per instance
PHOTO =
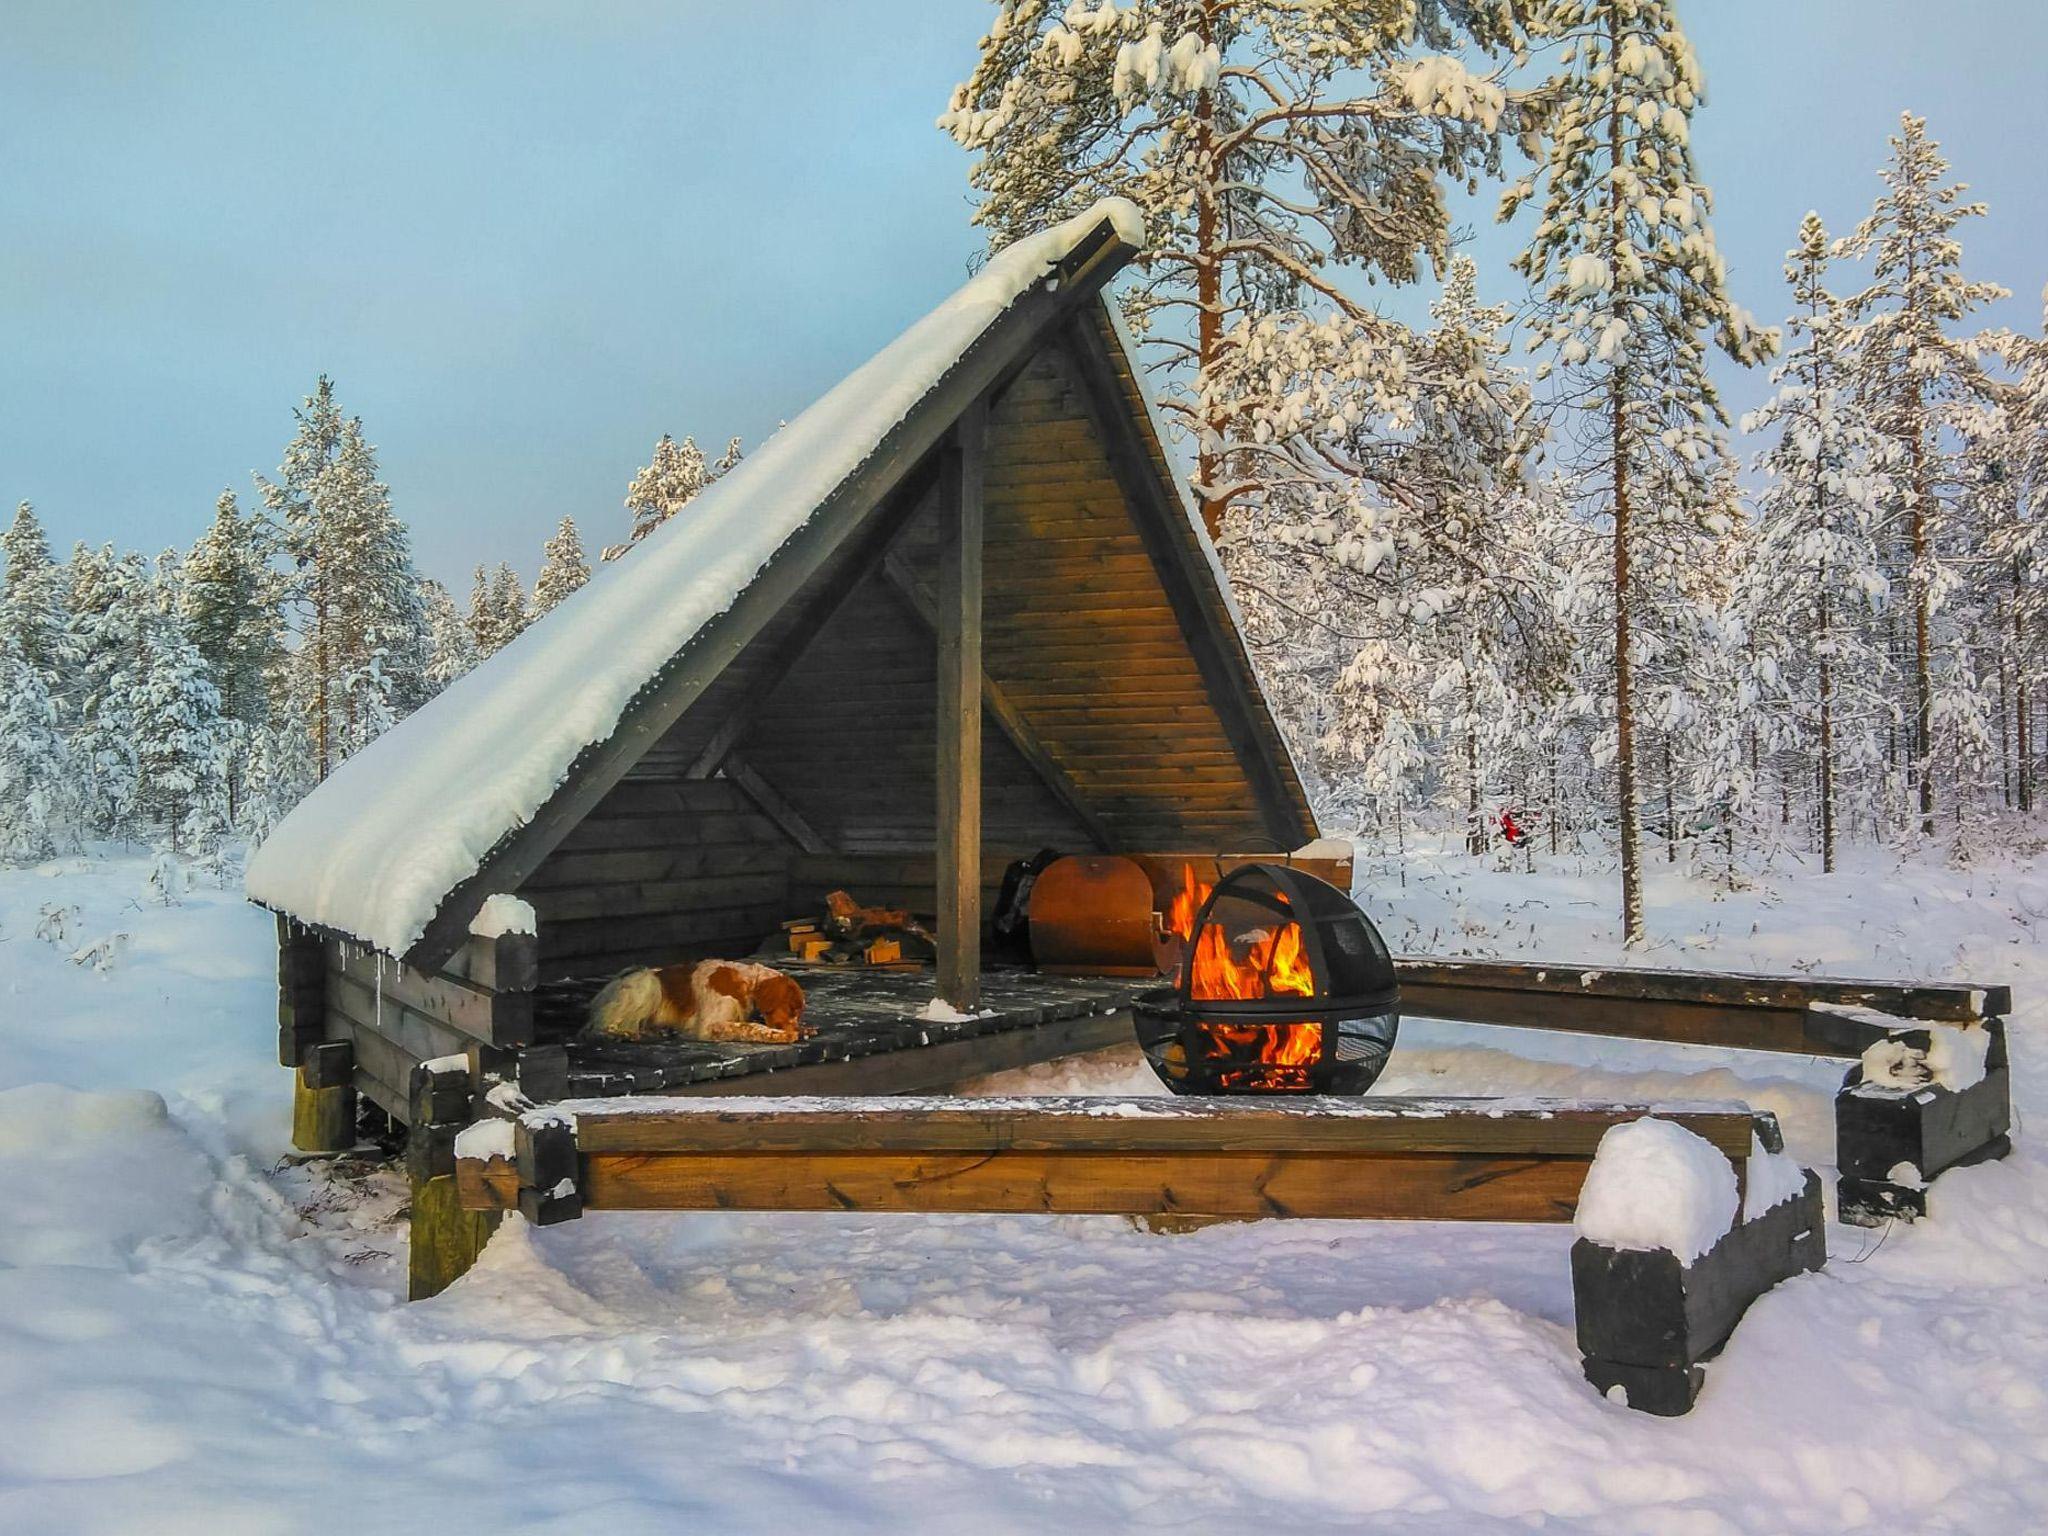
1808,1016
960,677
1471,1160
1008,717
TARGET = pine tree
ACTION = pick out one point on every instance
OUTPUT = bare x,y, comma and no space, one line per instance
1917,382
357,594
563,569
1272,146
483,618
176,722
110,604
226,610
1812,594
34,771
451,649
663,487
307,541
508,601
1630,287
31,594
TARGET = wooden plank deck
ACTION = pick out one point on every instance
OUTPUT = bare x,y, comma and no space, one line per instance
860,1016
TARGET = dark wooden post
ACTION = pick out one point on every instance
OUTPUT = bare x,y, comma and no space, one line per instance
959,716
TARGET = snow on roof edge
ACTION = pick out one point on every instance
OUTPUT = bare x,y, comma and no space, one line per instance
374,850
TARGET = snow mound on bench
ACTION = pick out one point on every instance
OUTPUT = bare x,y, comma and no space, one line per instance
1654,1184
374,850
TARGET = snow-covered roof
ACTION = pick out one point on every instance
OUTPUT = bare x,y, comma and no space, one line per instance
374,850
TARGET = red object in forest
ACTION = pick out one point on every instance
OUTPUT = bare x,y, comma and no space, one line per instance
1512,829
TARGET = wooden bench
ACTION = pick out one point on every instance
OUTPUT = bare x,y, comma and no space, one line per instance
1877,1132
1391,1159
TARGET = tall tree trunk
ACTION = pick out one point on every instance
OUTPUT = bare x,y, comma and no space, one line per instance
322,755
1208,281
1475,832
1670,809
1827,743
2023,769
1624,679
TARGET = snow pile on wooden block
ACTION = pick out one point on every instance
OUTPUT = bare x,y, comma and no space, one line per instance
1954,1059
500,915
375,848
1654,1184
1770,1179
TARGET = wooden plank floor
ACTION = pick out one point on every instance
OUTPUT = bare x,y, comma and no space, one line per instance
857,1013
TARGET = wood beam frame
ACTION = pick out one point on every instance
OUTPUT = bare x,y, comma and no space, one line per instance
774,805
1007,716
961,514
1183,570
1008,343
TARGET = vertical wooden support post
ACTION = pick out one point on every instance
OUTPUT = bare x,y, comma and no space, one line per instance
324,1098
445,1239
959,716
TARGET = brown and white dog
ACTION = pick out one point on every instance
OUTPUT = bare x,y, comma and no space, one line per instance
711,1000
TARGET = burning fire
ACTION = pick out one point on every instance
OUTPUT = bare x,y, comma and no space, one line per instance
1273,964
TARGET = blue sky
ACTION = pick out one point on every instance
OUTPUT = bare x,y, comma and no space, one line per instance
526,237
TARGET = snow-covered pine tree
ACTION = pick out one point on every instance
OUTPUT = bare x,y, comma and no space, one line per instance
508,599
562,567
32,594
307,542
110,604
356,592
176,723
1917,382
1631,290
451,648
34,768
1272,146
482,618
226,607
663,487
727,461
1814,590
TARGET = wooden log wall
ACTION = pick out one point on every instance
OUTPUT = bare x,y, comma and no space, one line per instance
395,1018
658,873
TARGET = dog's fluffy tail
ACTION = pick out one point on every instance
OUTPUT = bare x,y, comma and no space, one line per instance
627,1004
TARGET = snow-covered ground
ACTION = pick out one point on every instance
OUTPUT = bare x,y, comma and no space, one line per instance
196,1338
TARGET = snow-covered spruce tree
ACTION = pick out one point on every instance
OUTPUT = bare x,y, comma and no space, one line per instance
2019,547
451,649
110,604
1816,585
1632,293
562,567
32,594
356,592
177,735
225,605
307,542
481,617
34,767
508,600
664,486
1916,382
1272,146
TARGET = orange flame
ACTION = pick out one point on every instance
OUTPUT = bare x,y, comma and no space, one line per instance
1273,962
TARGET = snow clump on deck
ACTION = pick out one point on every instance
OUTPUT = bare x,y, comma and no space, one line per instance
1654,1184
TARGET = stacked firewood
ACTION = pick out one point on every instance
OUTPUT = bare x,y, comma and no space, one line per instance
847,933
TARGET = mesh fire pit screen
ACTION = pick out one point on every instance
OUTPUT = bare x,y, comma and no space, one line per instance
1283,986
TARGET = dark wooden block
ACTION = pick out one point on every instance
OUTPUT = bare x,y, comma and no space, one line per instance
430,1149
542,1072
1931,1129
437,1096
329,1064
1646,1318
548,1165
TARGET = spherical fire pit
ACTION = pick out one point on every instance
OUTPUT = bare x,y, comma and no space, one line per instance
1283,986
